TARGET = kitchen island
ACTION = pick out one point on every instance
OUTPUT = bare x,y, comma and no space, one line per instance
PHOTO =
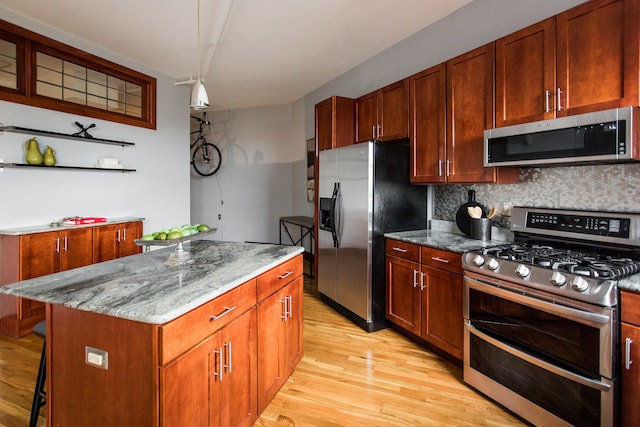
142,341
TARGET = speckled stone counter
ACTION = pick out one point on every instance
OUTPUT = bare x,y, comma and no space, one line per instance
48,227
631,283
146,288
442,240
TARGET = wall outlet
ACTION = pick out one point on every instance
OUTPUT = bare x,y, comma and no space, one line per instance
96,357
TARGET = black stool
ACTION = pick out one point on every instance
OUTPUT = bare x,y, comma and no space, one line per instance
40,395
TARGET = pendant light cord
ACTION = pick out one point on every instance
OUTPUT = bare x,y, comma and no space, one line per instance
199,53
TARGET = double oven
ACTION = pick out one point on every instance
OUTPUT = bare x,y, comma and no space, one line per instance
542,318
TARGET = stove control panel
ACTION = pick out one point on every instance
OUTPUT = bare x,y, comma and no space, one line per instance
581,224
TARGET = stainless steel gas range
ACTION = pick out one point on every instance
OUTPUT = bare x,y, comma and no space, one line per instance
541,314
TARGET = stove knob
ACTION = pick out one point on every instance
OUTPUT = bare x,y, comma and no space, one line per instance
579,284
478,260
557,279
522,270
493,264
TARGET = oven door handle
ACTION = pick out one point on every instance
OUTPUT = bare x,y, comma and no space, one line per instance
588,382
584,317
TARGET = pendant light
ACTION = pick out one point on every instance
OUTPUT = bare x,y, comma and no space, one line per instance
199,97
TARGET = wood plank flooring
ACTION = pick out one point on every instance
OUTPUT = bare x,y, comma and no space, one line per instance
346,378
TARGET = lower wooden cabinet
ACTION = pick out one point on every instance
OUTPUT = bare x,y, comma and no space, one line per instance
630,363
33,255
116,240
214,383
279,339
424,294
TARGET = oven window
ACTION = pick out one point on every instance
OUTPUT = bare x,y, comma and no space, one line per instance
557,340
575,403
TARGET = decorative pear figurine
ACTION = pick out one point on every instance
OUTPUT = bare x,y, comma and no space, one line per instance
49,156
34,156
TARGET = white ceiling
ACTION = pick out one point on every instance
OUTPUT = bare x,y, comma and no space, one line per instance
270,52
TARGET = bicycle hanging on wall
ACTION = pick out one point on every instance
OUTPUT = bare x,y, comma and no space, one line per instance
206,158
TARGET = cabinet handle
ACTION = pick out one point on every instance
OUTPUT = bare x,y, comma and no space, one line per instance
124,234
379,131
118,235
217,370
448,167
435,258
65,243
439,167
226,311
373,132
229,365
559,97
547,94
284,308
285,275
404,251
627,357
289,298
57,245
415,278
422,285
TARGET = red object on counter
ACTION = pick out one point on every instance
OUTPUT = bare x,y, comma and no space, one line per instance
87,220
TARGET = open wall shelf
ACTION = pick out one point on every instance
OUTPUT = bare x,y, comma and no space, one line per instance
86,168
27,131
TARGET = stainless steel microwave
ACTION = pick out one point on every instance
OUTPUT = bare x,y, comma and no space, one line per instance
602,137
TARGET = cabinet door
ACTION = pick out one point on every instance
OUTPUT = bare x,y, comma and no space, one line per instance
129,232
393,111
525,75
40,254
442,311
598,55
324,140
238,385
470,112
75,248
630,378
105,242
185,387
367,117
428,124
403,293
271,314
293,340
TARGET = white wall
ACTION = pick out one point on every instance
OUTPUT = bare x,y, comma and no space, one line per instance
474,25
158,191
262,177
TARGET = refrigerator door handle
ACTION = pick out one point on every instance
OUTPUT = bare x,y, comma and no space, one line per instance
335,219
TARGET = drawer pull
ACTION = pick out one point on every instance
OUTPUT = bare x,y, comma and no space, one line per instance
285,275
435,258
627,357
226,311
404,251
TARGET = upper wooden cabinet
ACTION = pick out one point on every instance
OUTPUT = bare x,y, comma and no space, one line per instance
383,115
582,60
450,107
335,126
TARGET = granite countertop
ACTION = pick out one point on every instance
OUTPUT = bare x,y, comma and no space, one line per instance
147,288
18,231
442,240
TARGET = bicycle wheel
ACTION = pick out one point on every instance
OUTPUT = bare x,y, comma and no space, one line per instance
206,159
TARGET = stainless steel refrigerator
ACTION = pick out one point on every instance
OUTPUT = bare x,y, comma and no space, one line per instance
364,192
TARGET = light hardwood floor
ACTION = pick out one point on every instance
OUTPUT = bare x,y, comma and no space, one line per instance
346,378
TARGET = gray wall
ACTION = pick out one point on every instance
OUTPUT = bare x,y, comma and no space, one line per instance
158,191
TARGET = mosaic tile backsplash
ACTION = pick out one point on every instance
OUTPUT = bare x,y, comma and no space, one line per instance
601,187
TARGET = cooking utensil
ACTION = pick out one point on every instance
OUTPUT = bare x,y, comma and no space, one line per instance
463,219
492,213
475,212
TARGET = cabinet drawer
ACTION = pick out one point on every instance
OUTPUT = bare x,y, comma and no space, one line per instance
444,260
404,250
279,276
181,334
630,307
